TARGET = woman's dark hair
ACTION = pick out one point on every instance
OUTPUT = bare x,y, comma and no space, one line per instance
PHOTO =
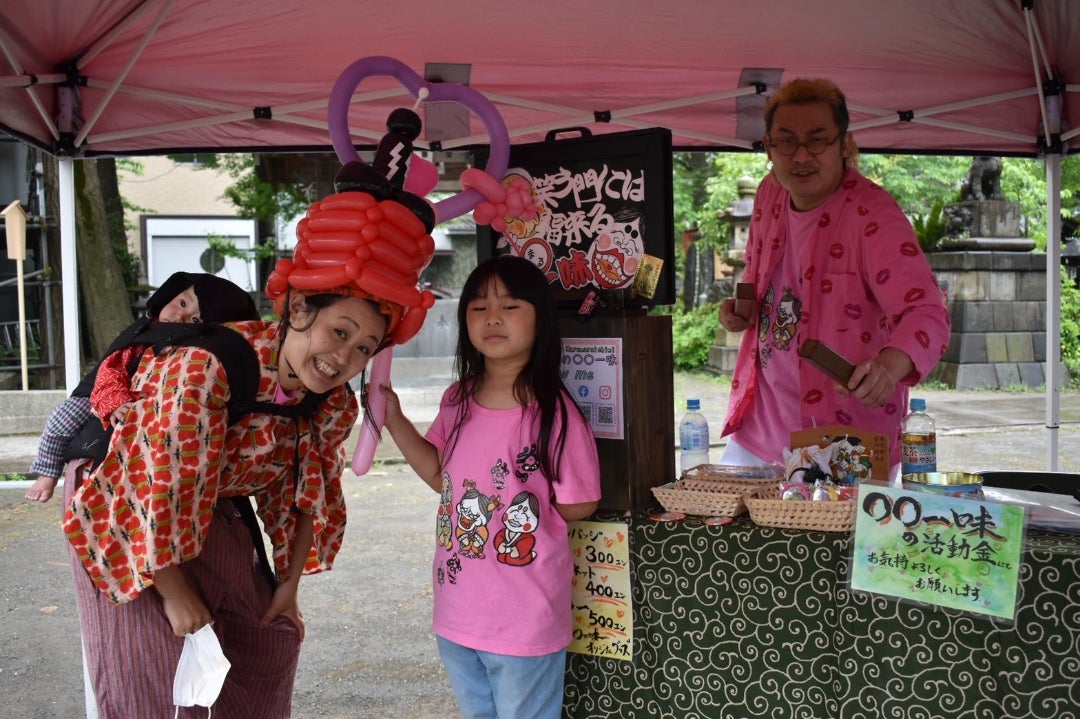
539,379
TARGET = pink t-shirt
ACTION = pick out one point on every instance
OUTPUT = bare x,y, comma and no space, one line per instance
776,403
502,567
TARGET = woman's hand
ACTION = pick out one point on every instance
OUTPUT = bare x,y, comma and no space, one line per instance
286,603
183,606
286,596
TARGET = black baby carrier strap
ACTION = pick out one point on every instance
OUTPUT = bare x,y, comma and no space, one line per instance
242,371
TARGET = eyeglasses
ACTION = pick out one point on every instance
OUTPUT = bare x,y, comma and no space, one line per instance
788,146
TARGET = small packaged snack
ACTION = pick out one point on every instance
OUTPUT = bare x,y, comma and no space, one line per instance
794,490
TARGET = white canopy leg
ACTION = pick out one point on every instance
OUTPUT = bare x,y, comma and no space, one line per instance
1053,306
70,270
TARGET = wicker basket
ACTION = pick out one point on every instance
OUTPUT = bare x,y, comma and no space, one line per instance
751,476
821,516
705,497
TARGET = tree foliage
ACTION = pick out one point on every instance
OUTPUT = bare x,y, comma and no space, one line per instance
253,197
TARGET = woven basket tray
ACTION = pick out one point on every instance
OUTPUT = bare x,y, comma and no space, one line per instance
736,474
821,516
705,497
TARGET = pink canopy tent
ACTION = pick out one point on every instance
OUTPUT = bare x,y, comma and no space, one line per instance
125,77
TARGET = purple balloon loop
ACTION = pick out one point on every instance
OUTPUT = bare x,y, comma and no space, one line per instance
475,102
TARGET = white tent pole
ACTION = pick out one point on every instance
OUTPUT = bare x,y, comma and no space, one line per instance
973,129
119,79
34,100
104,42
70,269
1053,306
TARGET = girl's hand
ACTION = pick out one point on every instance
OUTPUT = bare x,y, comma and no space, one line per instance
393,403
184,608
286,603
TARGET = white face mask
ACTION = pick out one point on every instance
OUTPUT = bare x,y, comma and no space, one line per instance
201,671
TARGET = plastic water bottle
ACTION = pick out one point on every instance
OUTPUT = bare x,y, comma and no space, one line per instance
693,436
919,438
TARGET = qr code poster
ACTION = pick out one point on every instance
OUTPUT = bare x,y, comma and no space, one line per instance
592,373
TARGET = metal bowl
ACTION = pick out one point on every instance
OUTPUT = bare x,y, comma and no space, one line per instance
953,484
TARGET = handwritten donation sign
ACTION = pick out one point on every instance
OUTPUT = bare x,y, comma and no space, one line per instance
592,372
603,622
947,551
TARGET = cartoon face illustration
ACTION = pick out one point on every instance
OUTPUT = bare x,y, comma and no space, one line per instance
474,511
788,313
521,515
515,543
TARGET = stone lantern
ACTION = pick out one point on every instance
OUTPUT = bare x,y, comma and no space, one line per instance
729,268
737,216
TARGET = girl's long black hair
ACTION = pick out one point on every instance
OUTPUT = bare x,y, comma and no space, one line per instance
539,379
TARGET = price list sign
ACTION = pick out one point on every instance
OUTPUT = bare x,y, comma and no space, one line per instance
603,621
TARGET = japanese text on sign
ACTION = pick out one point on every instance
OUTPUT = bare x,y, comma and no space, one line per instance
588,231
947,551
603,621
592,372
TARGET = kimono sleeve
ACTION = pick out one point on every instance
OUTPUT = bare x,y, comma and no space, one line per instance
149,504
316,491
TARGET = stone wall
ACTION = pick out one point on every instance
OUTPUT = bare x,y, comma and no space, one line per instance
997,303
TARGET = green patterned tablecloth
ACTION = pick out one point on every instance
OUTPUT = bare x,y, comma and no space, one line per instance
743,621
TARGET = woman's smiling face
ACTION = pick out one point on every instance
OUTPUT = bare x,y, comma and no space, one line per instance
335,346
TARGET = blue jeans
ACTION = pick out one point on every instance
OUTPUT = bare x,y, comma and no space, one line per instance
498,686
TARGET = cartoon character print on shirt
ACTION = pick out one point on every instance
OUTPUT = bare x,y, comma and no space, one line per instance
449,572
527,462
444,523
788,314
515,542
499,474
474,512
764,324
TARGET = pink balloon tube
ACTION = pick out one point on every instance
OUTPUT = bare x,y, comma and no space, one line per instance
369,435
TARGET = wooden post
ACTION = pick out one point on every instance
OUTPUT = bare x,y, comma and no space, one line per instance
15,228
645,458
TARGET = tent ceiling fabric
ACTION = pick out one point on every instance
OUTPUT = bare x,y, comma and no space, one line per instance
185,75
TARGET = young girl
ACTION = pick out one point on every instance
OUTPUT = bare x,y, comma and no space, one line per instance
183,297
513,461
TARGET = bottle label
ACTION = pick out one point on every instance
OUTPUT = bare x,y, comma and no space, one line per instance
694,438
919,454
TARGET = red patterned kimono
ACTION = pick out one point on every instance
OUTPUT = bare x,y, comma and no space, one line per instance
149,504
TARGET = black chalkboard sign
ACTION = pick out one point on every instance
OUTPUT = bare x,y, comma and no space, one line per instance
603,201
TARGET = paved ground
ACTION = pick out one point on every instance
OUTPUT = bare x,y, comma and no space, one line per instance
369,651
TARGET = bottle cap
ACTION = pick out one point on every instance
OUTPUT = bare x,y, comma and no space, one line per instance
693,405
917,404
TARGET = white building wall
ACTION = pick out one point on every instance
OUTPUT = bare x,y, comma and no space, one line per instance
168,188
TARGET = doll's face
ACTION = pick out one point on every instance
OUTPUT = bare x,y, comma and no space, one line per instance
335,346
182,308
